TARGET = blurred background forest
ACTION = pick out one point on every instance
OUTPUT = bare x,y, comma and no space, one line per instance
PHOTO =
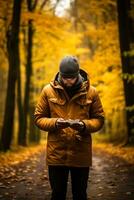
36,34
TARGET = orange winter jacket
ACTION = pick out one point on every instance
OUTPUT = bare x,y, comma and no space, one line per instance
69,147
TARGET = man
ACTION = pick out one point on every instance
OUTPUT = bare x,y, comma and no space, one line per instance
69,109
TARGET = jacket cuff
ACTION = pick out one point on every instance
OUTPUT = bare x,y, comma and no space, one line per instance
93,125
46,124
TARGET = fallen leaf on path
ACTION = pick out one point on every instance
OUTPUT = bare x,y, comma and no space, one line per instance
113,192
128,193
20,154
99,195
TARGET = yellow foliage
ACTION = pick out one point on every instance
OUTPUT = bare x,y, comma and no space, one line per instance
126,153
19,154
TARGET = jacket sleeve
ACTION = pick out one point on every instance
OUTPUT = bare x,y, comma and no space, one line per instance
42,117
96,120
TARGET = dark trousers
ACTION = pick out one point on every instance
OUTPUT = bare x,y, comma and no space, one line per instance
58,177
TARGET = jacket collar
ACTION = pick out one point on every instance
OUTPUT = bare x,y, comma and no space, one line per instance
86,82
85,85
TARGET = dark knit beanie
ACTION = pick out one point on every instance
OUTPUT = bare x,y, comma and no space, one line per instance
69,67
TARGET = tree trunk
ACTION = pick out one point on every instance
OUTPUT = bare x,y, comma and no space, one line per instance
20,109
34,132
28,81
126,39
31,5
14,62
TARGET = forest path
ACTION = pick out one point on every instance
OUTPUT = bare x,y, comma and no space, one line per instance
111,178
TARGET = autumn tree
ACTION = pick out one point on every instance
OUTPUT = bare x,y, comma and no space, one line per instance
24,106
4,18
26,109
14,62
126,35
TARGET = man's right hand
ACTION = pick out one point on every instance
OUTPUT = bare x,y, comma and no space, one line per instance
61,123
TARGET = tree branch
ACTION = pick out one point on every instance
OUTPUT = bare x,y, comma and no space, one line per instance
43,4
31,7
34,5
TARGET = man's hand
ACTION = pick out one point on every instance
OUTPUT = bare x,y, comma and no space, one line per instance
61,123
74,124
77,125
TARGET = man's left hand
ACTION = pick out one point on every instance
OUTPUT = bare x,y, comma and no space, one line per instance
77,125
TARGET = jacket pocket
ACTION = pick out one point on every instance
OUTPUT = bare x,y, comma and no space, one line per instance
84,107
84,102
57,101
57,107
